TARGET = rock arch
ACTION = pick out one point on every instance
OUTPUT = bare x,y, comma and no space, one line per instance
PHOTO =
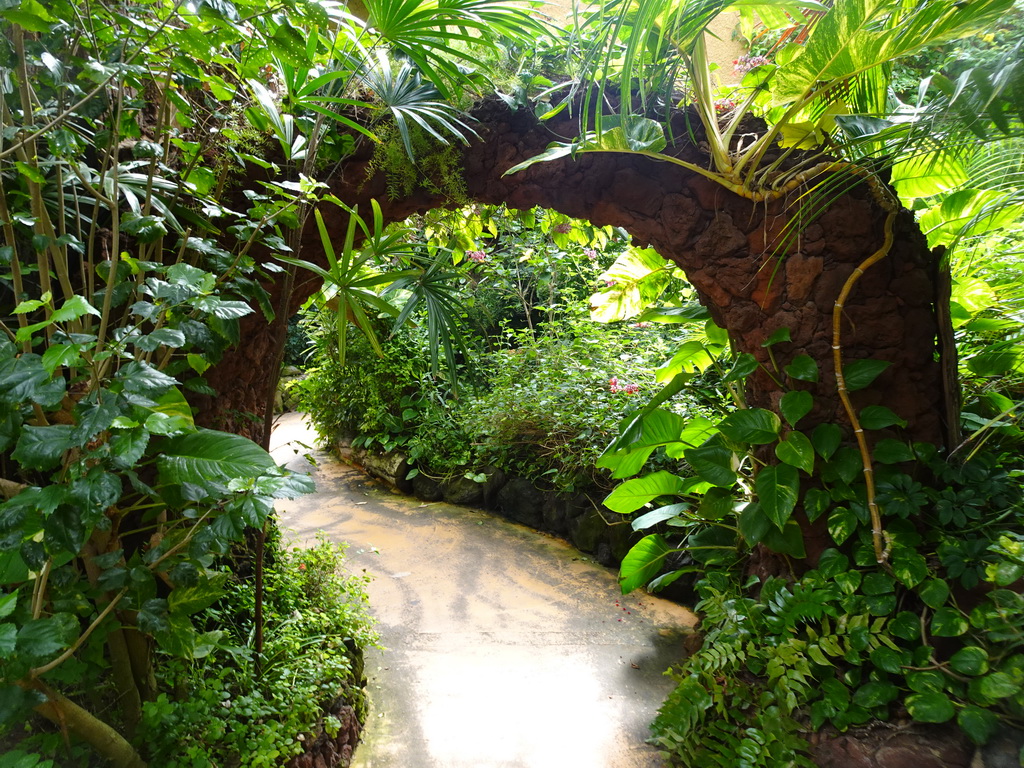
722,241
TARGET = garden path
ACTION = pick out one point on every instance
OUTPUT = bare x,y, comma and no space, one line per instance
504,647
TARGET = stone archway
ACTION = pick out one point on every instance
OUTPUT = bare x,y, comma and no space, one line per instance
723,242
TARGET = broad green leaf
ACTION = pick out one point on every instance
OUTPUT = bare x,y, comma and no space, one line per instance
879,417
841,523
887,660
802,368
7,604
926,681
969,212
906,625
166,337
875,694
780,335
633,494
845,466
713,461
754,525
208,456
854,37
41,638
634,281
930,707
998,685
778,488
8,640
794,405
128,447
657,428
626,133
891,451
751,425
934,593
716,504
173,403
797,451
788,541
970,660
145,229
861,373
745,365
826,439
643,562
948,622
816,503
24,378
979,724
164,424
692,357
41,448
72,309
928,174
57,355
188,600
909,566
832,562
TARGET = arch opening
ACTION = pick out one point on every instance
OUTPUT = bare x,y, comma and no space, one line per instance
726,245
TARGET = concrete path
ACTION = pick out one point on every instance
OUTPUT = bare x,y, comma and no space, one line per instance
504,647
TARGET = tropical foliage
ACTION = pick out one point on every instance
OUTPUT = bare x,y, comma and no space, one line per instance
149,152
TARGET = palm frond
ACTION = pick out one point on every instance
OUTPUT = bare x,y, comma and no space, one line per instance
411,102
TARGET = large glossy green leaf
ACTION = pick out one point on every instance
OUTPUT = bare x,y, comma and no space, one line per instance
859,35
969,212
657,428
795,404
713,461
797,451
633,494
932,707
778,488
634,281
643,561
751,425
209,456
925,175
861,373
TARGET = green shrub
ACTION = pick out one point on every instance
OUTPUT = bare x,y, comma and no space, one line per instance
221,712
553,403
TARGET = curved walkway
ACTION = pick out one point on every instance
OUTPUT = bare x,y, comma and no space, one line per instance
504,647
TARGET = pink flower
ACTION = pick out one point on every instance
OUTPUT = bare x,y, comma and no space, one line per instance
613,384
631,389
611,283
478,256
747,63
725,105
564,228
590,253
644,324
302,566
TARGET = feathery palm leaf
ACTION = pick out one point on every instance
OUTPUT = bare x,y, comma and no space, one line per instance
411,102
434,288
426,31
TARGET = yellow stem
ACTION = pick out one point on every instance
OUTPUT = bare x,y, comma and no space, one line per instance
877,534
